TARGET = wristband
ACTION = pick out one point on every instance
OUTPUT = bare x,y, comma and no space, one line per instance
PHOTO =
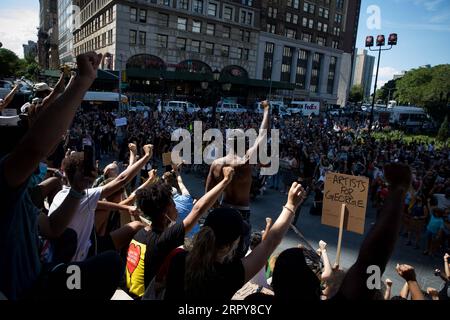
76,194
290,210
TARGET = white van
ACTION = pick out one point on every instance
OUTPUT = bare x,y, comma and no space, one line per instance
277,106
100,96
408,116
177,106
229,107
306,108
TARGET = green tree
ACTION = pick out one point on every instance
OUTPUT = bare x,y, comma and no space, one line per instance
443,131
426,87
9,63
356,93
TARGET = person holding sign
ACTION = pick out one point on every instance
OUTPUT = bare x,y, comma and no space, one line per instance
379,244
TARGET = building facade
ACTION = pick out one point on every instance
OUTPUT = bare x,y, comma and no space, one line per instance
67,12
363,71
295,48
48,57
309,44
30,49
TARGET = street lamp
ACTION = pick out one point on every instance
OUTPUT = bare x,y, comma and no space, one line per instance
216,77
381,41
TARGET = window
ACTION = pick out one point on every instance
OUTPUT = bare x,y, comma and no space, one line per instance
295,19
305,22
311,23
246,54
338,18
321,41
132,37
247,2
142,15
163,19
161,40
110,36
312,8
165,2
182,24
288,17
226,32
324,13
197,6
184,4
142,37
133,14
244,35
209,48
181,44
272,12
306,37
197,26
336,31
340,4
212,9
225,51
287,52
195,46
228,13
246,17
290,33
271,28
269,47
210,29
239,53
325,27
335,44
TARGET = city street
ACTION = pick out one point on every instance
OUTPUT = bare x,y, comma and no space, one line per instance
269,205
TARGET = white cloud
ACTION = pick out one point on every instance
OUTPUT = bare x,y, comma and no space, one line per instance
18,26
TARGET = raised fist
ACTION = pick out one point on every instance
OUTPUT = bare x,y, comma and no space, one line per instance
87,64
228,173
148,150
132,148
398,175
296,195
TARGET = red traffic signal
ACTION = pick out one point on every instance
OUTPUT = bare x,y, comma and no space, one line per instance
369,41
381,41
392,39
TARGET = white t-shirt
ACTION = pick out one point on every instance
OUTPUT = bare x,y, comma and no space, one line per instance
443,202
83,220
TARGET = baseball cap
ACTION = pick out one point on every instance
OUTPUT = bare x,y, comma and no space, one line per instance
227,225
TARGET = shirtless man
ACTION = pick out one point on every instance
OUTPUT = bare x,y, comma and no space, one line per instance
237,193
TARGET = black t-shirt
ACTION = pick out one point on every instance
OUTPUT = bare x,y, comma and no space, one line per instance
228,279
159,245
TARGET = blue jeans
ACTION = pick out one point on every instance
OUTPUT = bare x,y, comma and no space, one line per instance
275,181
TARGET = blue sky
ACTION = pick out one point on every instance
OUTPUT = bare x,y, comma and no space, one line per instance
423,28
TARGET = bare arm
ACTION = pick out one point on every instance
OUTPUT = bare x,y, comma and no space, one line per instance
257,259
211,181
53,226
133,152
327,270
106,205
51,124
152,178
208,200
446,266
9,97
262,131
379,244
126,176
183,189
59,89
387,293
266,230
416,292
404,293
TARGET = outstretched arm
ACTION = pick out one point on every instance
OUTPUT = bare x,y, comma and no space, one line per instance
257,259
133,152
208,200
126,176
51,124
59,89
262,131
9,97
183,189
327,270
379,244
152,178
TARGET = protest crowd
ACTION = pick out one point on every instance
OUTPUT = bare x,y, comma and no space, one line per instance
81,193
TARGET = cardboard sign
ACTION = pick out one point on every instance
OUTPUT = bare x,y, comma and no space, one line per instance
248,289
351,191
167,158
120,122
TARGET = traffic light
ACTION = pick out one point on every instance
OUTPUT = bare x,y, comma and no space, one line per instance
369,41
392,39
381,41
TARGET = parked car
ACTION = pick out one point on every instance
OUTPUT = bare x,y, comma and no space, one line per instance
178,106
231,108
